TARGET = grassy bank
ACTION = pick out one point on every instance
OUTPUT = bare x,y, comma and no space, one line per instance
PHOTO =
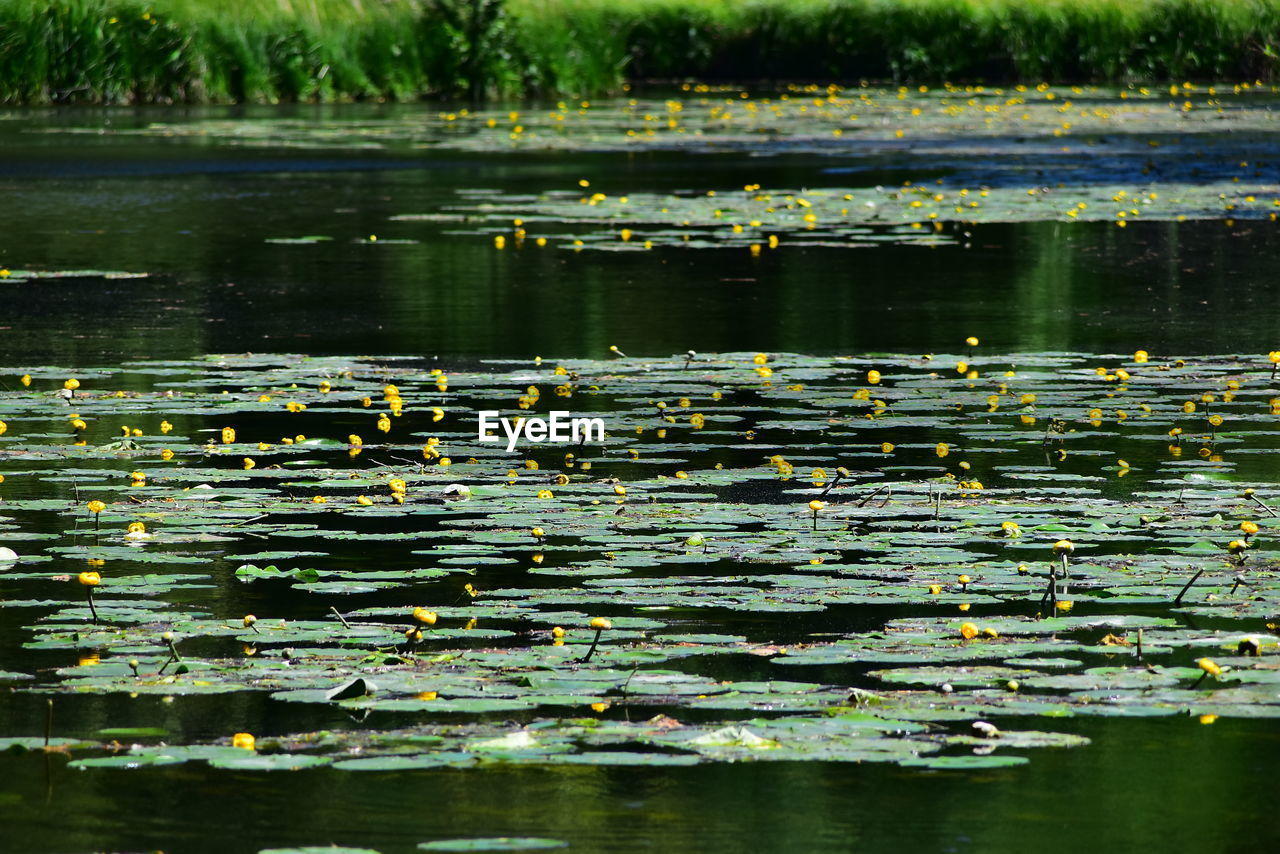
122,51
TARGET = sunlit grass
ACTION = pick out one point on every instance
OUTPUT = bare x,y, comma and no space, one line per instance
121,51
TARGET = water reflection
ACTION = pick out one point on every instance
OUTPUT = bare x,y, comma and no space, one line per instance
1104,795
199,226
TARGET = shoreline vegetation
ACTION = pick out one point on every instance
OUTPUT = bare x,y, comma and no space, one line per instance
263,51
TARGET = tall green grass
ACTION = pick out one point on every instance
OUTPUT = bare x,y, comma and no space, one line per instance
122,51
925,40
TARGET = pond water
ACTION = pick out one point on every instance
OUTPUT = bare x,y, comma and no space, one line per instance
205,219
195,211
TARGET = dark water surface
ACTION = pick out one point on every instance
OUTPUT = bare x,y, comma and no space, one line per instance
1166,783
195,215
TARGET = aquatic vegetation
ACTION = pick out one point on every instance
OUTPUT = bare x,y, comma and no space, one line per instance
604,624
977,155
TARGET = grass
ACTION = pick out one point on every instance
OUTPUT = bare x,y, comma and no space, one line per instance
124,51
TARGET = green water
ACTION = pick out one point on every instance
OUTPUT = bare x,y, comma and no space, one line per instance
194,215
1141,781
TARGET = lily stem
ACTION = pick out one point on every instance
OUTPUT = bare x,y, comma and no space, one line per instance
173,656
1178,599
878,490
594,643
1051,591
1263,506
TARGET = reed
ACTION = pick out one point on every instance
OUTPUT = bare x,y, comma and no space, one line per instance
130,51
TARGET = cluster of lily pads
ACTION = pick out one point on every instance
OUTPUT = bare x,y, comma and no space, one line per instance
823,120
977,155
927,214
768,557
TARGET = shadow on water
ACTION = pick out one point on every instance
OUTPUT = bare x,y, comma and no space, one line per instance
196,217
1104,796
